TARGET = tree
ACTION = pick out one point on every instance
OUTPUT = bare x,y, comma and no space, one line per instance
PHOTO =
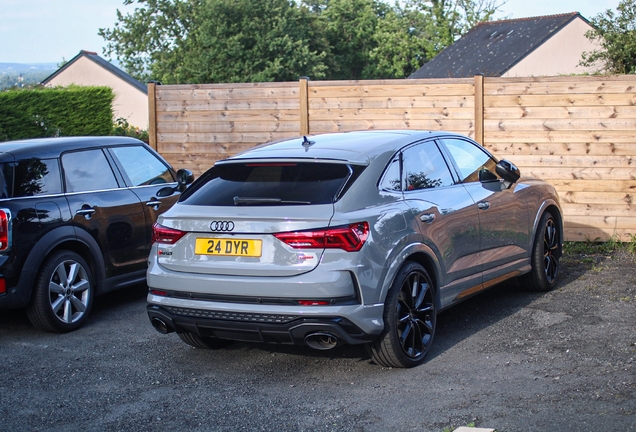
409,37
196,41
207,41
616,35
255,41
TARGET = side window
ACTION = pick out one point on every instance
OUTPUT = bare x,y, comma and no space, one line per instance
470,159
391,179
425,167
141,166
36,177
88,170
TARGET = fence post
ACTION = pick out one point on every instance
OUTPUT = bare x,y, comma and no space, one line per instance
479,109
152,115
304,106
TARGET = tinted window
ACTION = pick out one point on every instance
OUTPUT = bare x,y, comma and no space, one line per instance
470,159
391,179
141,166
424,167
88,171
268,184
30,177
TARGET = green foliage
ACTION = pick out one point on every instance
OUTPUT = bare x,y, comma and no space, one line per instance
121,127
592,247
24,79
44,112
214,41
616,34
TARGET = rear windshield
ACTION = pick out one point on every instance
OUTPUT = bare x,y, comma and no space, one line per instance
253,184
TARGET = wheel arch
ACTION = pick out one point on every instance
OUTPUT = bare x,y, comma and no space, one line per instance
554,208
421,254
66,238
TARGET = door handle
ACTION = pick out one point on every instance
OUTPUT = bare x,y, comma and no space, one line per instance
154,203
428,218
484,205
86,212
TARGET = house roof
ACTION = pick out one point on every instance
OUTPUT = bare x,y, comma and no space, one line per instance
494,47
103,63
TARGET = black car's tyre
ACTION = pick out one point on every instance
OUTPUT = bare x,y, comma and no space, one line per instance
546,252
204,342
409,320
63,293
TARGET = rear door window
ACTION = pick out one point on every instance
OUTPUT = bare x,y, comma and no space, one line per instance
88,170
253,184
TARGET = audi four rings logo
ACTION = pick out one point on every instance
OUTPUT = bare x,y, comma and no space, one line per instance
222,226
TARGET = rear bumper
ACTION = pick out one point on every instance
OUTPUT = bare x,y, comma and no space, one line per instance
274,324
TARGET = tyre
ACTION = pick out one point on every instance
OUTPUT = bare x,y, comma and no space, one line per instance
546,251
63,293
409,320
204,342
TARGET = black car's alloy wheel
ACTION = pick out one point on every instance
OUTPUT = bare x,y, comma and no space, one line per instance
63,293
409,319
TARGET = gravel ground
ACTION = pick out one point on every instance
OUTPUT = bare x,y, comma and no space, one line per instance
505,359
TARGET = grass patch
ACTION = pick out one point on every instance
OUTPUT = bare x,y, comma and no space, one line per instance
595,247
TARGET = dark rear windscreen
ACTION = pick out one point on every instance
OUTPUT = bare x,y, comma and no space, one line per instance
251,184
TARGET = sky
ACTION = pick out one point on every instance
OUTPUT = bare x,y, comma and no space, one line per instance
51,31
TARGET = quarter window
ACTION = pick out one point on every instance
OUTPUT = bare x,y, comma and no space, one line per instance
88,171
33,176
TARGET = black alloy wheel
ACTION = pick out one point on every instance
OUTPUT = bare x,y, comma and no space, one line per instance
410,317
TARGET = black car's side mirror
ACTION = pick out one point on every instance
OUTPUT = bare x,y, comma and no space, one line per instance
184,178
508,171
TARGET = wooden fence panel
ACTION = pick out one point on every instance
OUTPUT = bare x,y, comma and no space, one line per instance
578,133
392,104
200,124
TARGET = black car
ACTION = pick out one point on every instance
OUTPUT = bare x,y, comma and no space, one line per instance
76,218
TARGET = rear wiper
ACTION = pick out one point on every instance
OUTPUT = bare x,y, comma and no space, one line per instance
264,201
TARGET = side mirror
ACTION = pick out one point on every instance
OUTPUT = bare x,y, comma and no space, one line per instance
508,171
184,178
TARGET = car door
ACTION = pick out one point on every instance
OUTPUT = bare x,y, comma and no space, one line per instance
503,217
447,218
145,174
112,214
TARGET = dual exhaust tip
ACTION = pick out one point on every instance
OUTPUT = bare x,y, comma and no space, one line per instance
318,341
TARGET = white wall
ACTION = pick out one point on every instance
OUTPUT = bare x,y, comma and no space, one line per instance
559,55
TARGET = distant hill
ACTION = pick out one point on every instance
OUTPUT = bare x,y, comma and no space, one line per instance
24,74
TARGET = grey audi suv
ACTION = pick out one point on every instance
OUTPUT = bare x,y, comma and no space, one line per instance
356,238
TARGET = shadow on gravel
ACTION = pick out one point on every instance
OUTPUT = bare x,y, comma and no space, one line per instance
453,325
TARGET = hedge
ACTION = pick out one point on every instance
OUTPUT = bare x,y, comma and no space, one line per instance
61,111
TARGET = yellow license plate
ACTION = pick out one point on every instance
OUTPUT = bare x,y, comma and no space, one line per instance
228,247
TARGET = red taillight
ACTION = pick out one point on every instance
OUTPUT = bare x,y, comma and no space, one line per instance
165,235
3,286
349,238
4,230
